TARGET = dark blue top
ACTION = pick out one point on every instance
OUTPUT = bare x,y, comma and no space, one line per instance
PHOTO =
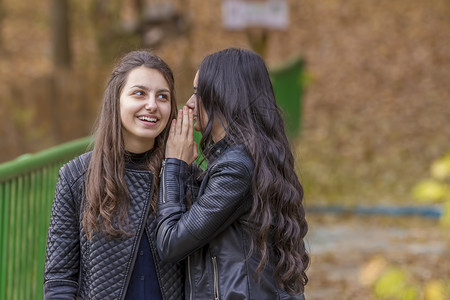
144,284
144,281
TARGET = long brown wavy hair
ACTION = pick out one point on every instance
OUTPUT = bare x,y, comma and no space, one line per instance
107,199
234,86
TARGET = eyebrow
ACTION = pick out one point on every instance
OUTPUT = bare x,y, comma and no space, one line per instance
140,86
147,89
164,91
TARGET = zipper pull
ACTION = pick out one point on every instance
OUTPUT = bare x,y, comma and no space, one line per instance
163,165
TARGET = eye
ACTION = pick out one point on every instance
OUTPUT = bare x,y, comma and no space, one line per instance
139,93
163,96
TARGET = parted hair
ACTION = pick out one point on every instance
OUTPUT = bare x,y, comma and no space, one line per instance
234,87
106,193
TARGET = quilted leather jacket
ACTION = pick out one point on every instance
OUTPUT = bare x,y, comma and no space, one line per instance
100,268
213,233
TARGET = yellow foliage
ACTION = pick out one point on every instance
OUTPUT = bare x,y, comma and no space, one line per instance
391,283
436,290
409,293
440,169
445,217
430,191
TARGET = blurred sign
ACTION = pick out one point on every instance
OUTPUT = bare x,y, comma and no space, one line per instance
240,14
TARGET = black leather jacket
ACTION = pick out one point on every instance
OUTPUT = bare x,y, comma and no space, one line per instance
213,233
100,268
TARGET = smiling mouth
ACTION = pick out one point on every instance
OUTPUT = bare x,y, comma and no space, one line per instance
148,119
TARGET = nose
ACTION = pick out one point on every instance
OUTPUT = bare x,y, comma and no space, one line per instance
191,102
150,104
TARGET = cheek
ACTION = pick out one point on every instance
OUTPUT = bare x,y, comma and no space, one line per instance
122,111
165,112
205,118
126,113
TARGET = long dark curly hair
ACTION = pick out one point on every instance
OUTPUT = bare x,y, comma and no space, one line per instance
234,87
107,199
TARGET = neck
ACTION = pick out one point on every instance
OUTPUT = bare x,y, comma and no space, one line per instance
137,147
218,131
217,136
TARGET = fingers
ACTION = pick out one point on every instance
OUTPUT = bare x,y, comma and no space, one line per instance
191,125
185,122
179,122
172,128
181,143
185,128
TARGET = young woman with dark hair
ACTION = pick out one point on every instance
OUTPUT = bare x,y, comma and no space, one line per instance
101,242
241,222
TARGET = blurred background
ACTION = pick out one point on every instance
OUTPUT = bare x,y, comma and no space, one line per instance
372,122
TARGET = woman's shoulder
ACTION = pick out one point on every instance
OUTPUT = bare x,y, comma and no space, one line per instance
236,150
237,155
76,168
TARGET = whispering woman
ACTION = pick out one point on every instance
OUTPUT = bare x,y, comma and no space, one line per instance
239,224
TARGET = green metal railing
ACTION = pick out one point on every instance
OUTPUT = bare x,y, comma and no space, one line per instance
27,187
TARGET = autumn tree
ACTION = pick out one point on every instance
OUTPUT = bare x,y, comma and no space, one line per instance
62,56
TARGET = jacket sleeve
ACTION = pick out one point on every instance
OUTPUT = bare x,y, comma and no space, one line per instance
63,252
224,200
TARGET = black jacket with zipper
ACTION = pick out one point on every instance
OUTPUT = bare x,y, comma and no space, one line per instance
100,268
213,234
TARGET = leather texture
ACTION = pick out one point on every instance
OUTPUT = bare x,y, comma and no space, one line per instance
100,268
213,234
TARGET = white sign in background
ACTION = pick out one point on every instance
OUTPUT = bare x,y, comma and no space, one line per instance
240,14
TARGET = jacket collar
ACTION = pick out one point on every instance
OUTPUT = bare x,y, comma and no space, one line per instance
217,149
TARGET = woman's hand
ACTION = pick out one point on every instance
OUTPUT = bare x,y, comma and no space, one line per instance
180,143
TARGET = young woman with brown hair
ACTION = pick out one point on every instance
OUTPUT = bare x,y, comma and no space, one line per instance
101,235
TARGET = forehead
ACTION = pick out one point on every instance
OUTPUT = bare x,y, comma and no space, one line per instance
196,79
148,77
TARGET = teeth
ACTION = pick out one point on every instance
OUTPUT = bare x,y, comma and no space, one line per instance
148,119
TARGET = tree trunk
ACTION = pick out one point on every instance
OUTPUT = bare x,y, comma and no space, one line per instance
2,15
61,34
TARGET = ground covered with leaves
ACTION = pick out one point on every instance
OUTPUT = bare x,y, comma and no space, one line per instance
362,256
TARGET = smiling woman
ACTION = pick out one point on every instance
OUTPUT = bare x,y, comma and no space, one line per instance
145,108
101,235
